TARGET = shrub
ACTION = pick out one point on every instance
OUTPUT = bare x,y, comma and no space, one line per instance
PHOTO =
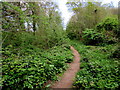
108,24
105,32
109,28
91,37
18,39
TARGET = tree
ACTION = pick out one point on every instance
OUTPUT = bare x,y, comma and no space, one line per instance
40,19
86,15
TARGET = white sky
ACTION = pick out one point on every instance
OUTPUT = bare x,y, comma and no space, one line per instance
66,15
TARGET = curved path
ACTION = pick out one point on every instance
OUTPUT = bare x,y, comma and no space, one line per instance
68,77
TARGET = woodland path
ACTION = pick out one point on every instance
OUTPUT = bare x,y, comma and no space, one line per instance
68,77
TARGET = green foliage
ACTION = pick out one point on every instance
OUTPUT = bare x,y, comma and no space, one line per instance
97,70
33,68
116,53
93,23
18,39
109,28
108,24
86,15
105,32
35,48
35,25
34,45
13,17
92,37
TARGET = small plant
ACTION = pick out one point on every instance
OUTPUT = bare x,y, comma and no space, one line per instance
97,71
34,67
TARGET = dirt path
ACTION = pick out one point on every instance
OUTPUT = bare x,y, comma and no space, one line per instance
69,75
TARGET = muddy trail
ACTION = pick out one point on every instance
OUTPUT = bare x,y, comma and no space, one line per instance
69,75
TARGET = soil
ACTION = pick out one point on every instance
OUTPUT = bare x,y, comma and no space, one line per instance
69,76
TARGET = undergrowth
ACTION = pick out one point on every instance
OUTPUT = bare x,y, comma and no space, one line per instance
31,68
97,69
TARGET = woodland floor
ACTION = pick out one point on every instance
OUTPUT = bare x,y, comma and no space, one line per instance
68,77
